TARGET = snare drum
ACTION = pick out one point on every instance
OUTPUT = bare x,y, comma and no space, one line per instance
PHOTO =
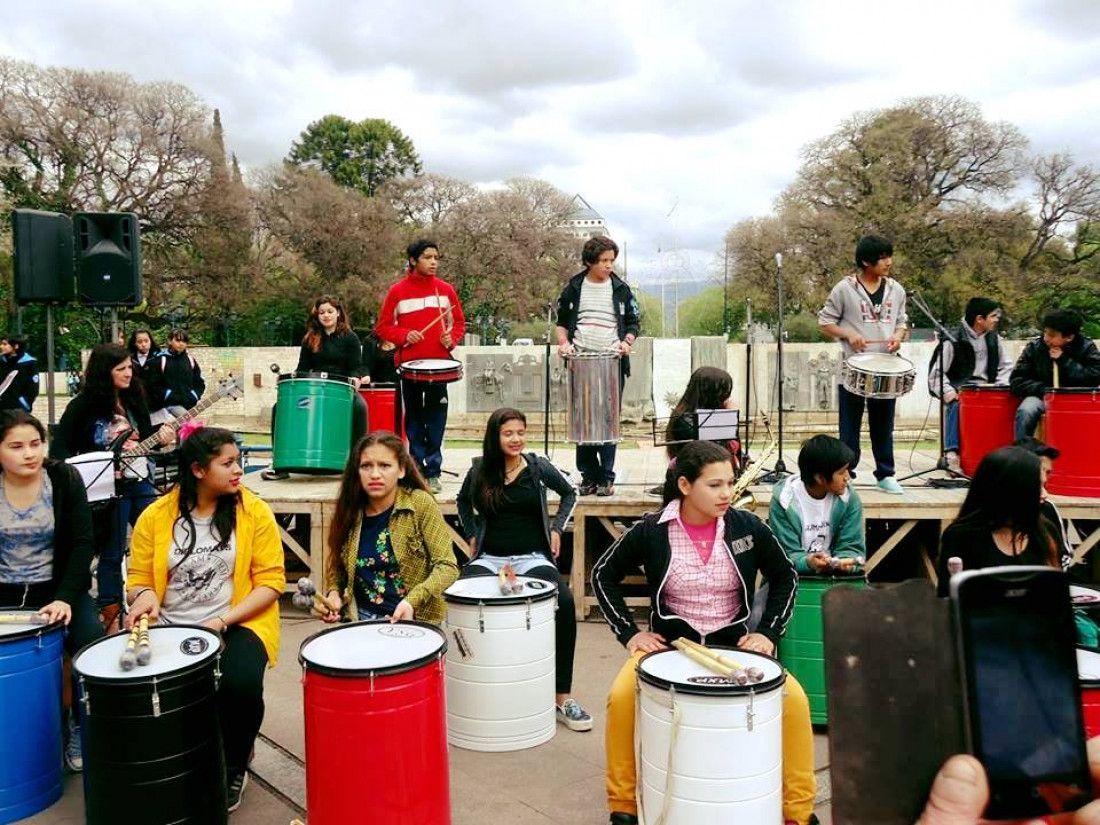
877,375
710,751
313,423
152,740
97,471
30,725
1088,672
381,683
500,664
431,371
593,402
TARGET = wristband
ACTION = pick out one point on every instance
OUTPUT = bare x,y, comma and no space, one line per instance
225,624
139,594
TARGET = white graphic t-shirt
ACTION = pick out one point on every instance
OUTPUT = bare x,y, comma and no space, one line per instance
817,532
200,584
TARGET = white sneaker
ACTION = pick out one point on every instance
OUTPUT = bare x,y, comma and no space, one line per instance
953,463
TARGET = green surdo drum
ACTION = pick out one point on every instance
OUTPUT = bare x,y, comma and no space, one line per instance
313,423
802,649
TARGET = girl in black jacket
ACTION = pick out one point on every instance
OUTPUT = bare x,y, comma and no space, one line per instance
701,561
111,406
46,551
512,525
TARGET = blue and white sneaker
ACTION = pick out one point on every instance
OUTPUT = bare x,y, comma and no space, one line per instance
890,485
573,716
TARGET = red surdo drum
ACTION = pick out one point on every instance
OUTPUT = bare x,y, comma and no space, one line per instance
1072,423
431,371
381,402
987,414
1088,671
376,688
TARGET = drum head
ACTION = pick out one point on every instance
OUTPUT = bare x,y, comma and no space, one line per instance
432,365
175,648
479,589
314,376
13,631
880,362
1088,667
671,668
1084,596
985,388
375,648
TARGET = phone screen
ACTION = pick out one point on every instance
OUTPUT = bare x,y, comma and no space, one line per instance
1022,690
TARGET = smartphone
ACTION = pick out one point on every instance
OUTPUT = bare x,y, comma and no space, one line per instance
1017,643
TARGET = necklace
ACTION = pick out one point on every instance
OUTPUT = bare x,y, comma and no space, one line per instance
508,474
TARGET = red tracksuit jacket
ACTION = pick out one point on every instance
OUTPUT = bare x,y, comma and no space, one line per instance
413,303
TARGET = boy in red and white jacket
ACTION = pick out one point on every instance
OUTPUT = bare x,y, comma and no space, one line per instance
410,318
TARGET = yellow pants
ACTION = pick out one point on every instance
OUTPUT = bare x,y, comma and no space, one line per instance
799,784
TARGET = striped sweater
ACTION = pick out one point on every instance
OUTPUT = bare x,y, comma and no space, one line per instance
414,303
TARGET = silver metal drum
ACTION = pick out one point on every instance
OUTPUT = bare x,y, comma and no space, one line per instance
878,375
592,411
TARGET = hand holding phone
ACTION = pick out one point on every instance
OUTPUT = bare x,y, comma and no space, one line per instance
1016,641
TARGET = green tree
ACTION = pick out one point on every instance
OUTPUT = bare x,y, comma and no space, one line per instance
360,155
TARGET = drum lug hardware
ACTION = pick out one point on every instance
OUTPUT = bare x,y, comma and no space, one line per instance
481,616
84,698
156,699
372,683
38,641
218,671
750,714
528,614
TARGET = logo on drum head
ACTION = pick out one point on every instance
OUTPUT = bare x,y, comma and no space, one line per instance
537,585
395,631
709,680
304,402
194,646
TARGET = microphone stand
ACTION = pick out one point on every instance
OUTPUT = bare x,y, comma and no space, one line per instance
942,334
546,382
780,469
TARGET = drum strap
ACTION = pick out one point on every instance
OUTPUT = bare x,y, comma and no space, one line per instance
673,735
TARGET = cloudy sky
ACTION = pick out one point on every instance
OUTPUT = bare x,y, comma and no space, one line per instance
674,119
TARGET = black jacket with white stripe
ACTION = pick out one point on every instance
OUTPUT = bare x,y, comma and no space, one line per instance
748,541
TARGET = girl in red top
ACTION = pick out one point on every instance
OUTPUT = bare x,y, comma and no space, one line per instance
410,319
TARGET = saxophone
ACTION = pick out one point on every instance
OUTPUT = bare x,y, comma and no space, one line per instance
743,499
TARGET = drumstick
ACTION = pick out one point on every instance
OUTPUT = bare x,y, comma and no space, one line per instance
753,673
1057,383
442,314
707,662
129,658
144,649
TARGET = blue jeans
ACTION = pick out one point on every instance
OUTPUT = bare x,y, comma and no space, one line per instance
1028,415
951,427
880,412
134,496
425,421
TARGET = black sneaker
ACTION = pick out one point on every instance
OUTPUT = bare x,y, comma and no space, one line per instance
237,783
274,475
587,488
623,819
606,489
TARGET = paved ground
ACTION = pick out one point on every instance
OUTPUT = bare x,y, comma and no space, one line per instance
558,782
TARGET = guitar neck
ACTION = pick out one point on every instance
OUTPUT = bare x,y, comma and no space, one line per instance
153,441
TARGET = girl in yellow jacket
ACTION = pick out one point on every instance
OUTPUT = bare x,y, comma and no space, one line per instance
209,553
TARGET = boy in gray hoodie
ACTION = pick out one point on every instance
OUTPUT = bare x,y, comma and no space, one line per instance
866,312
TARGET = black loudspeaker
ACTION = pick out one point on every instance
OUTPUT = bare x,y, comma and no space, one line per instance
43,259
108,258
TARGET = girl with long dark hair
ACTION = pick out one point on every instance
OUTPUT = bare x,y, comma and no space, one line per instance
709,388
503,509
1001,520
701,561
46,542
390,551
330,346
209,553
111,406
